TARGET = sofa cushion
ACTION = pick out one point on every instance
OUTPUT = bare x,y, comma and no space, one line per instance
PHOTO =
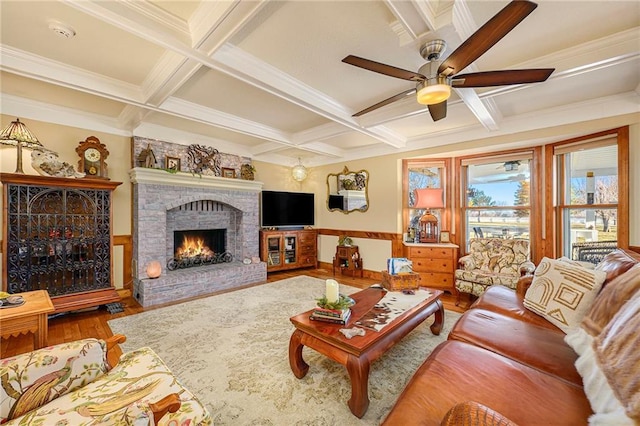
611,298
33,379
486,278
122,397
563,293
457,372
538,347
507,302
617,263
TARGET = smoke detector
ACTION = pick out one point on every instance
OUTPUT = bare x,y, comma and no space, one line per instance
61,29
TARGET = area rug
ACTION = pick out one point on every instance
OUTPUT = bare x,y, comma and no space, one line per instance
231,350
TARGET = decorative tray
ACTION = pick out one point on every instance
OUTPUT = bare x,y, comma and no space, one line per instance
11,302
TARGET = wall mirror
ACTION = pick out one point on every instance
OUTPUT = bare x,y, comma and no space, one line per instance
348,191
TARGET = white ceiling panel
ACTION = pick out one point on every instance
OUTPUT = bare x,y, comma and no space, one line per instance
266,79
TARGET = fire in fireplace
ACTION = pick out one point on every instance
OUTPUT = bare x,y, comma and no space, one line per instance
198,248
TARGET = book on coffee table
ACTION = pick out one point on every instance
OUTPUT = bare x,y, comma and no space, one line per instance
331,315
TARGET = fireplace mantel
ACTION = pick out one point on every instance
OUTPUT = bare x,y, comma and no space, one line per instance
165,202
141,175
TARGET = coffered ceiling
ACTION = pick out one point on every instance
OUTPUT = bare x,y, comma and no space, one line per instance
264,79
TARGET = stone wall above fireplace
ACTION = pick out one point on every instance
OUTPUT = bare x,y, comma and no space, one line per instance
164,202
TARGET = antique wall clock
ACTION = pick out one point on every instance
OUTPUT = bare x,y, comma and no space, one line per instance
93,155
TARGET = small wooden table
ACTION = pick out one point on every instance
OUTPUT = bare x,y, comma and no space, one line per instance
28,318
358,353
347,258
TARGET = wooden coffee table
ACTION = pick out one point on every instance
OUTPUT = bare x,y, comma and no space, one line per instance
28,318
358,353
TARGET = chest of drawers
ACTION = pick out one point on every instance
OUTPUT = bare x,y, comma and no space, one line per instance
436,264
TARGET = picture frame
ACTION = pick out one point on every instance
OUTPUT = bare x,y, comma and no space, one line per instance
228,173
172,163
445,237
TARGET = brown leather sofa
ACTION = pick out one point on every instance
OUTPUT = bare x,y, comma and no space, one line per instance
502,356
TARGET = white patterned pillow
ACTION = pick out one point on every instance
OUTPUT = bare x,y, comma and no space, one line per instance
563,293
587,265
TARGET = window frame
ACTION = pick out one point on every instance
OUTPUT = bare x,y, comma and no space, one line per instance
555,203
445,222
535,195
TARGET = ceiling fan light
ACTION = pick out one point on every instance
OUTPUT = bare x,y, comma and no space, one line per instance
433,94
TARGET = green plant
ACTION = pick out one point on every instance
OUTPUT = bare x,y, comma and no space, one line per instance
343,302
344,240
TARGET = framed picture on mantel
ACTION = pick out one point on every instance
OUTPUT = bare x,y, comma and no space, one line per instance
445,237
172,163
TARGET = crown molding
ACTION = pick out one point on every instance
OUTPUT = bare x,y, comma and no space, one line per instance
158,15
227,121
36,110
33,66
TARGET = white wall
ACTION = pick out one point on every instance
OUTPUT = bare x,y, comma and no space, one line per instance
385,182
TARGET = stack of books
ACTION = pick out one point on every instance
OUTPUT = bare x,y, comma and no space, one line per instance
336,316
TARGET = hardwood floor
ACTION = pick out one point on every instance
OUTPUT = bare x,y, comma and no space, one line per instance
93,323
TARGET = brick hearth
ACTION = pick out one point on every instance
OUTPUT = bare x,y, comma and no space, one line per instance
159,200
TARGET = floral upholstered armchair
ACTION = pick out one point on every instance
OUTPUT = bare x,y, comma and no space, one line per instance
492,261
74,384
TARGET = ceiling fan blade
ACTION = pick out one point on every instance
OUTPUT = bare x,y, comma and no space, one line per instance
501,78
383,68
486,36
438,111
385,102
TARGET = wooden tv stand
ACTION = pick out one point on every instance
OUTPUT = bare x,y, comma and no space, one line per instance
289,249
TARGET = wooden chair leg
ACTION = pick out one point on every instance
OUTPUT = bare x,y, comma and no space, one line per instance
170,403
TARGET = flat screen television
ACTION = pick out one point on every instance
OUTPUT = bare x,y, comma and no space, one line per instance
287,209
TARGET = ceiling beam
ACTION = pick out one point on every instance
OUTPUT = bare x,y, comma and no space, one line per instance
226,57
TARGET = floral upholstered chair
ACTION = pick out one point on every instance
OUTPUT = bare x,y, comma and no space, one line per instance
73,384
492,261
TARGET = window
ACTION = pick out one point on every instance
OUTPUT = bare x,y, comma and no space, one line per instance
589,194
496,196
424,173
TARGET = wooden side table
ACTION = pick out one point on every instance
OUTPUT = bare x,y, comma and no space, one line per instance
435,262
347,258
28,318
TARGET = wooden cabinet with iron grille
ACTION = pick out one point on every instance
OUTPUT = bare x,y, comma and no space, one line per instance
436,264
292,249
58,237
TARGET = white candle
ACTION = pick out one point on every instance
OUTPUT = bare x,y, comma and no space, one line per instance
332,291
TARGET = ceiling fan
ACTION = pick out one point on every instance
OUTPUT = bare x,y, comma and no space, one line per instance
510,166
435,79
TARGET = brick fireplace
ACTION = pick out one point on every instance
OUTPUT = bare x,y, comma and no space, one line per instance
165,204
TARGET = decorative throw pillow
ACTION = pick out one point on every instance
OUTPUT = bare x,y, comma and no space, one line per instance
562,293
612,297
616,349
587,265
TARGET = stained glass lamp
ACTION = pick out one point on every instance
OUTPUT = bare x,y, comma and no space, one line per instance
16,134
